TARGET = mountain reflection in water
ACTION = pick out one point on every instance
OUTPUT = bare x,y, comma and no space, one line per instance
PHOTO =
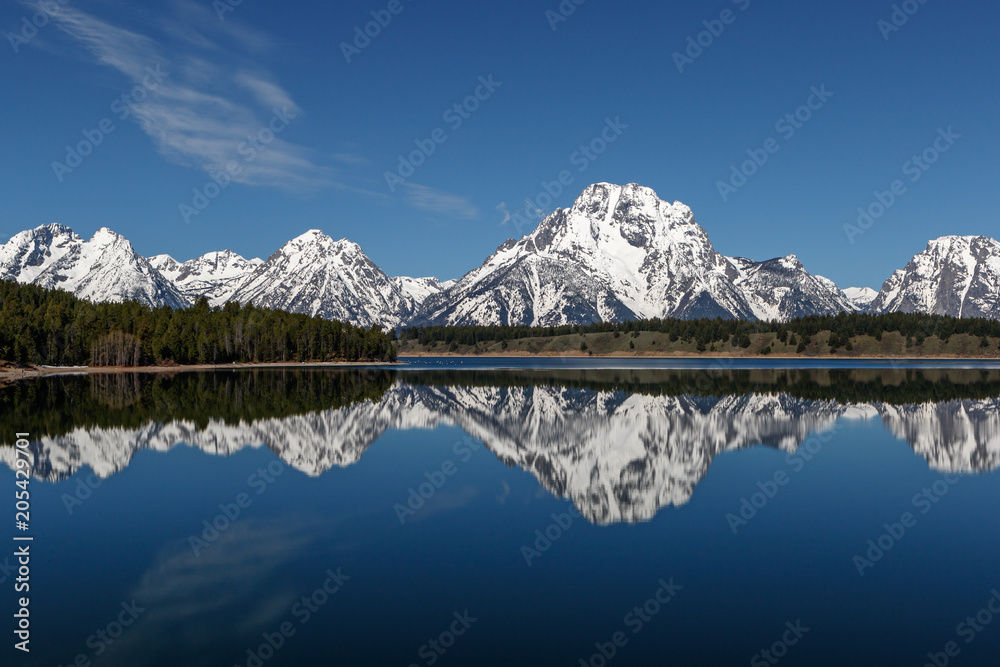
620,445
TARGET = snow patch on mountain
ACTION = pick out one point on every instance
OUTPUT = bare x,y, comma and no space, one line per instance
418,290
620,252
861,297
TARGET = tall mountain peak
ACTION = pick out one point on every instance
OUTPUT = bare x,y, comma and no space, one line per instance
621,252
315,275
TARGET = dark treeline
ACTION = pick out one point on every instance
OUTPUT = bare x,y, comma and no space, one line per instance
53,327
56,405
890,386
705,332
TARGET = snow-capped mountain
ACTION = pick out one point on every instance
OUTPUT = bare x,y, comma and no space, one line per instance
216,275
618,457
418,290
861,297
781,289
105,268
955,275
619,252
315,275
310,274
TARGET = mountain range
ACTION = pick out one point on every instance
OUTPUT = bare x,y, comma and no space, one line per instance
620,252
618,457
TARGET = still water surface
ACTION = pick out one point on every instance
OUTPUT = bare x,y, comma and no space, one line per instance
460,514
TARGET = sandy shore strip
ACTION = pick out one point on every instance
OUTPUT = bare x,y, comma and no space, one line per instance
9,372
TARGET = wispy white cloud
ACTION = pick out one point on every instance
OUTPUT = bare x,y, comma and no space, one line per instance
122,49
350,158
267,92
435,201
213,97
192,18
502,207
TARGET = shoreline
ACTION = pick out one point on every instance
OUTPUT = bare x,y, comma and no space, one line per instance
683,355
11,373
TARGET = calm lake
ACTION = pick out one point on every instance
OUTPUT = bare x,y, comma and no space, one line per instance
510,512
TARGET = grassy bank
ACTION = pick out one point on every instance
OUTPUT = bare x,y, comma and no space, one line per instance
647,343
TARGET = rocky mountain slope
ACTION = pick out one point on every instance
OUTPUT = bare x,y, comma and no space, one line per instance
955,275
216,275
781,289
105,268
315,275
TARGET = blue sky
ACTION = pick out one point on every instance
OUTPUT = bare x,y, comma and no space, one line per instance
169,92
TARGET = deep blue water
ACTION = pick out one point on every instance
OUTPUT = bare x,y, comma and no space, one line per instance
472,549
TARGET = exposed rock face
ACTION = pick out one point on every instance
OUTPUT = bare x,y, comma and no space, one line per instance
620,253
